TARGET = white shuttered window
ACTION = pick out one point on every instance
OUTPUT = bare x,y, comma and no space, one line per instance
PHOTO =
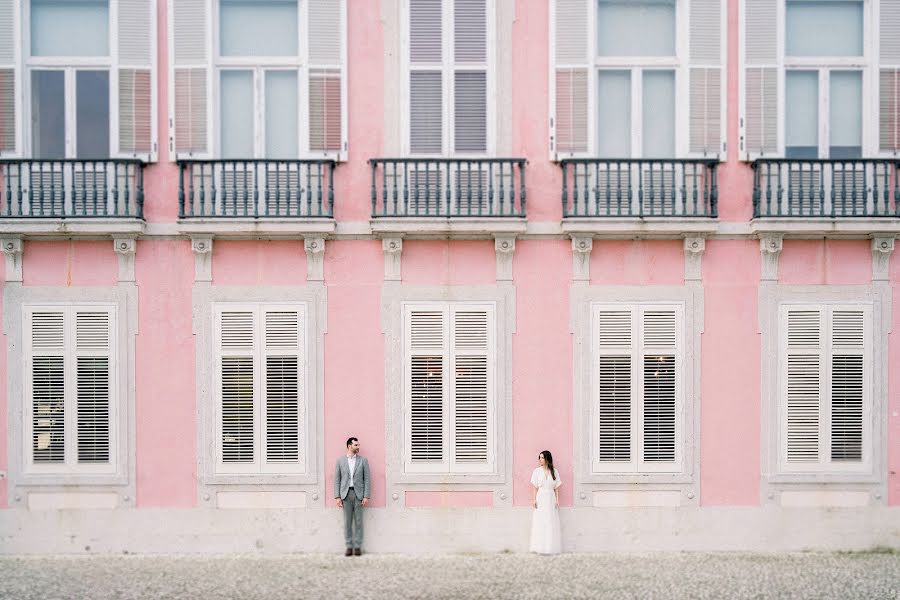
449,387
825,388
637,78
637,388
258,78
260,384
71,390
449,53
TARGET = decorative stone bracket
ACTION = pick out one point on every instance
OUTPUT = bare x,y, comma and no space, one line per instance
12,248
694,247
125,248
315,258
393,249
882,248
202,248
770,246
504,247
581,258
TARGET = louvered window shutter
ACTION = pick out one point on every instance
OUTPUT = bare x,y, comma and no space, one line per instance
803,386
327,70
47,386
762,65
848,390
889,78
136,81
426,95
93,377
189,78
471,385
470,76
237,387
10,75
283,408
427,376
659,362
570,31
615,390
706,78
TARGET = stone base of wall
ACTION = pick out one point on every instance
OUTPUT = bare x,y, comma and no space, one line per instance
444,530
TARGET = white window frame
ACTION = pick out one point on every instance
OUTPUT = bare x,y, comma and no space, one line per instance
637,465
259,466
449,464
448,68
825,465
70,465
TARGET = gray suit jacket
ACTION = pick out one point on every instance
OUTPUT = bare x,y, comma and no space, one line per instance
361,481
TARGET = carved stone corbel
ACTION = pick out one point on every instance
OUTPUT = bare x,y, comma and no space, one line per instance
393,250
770,246
12,248
315,258
581,258
202,248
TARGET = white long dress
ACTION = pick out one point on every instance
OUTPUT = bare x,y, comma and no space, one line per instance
545,532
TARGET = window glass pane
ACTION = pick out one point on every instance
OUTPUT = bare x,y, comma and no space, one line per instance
48,114
845,120
54,21
659,114
92,114
281,114
237,114
801,117
636,28
258,28
823,28
614,114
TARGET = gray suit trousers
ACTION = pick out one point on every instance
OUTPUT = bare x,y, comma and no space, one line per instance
353,522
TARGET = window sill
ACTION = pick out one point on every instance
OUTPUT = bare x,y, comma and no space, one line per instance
635,227
443,227
630,490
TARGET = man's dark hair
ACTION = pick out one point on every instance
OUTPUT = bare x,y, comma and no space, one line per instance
350,440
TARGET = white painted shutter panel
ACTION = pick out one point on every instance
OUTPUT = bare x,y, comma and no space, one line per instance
327,71
93,392
470,76
472,341
283,408
136,82
848,344
803,385
706,79
47,352
659,389
426,97
889,78
615,387
427,351
10,75
189,79
570,84
237,383
761,68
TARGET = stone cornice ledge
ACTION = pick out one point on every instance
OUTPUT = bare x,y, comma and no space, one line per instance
72,227
813,227
437,228
619,228
275,227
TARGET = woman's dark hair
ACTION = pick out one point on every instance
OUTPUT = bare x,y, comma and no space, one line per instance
549,458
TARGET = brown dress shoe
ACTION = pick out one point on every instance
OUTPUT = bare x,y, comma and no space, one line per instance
349,552
357,551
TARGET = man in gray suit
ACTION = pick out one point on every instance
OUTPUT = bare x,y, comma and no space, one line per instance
351,492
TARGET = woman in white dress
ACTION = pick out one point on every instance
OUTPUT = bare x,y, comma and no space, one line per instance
545,533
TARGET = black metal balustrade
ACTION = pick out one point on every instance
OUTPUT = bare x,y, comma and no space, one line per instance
256,189
826,188
637,188
445,188
70,188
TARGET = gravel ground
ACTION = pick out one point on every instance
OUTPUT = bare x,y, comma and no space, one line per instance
869,575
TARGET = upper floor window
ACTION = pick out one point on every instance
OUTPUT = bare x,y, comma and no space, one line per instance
449,54
271,84
76,79
820,79
636,79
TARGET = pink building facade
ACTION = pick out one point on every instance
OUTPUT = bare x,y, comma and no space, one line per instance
654,238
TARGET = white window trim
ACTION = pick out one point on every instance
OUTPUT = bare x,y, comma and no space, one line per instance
448,68
771,297
587,482
450,465
313,299
70,64
398,480
637,465
23,479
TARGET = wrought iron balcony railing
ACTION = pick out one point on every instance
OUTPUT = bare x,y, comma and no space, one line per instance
256,189
448,188
637,188
785,188
70,189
